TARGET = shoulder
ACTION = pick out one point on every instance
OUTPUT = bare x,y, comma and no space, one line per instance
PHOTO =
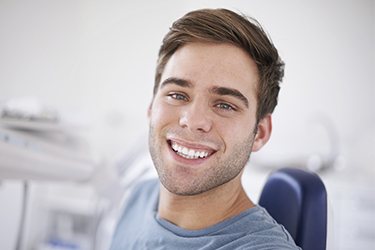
141,200
137,214
141,194
263,232
146,186
143,190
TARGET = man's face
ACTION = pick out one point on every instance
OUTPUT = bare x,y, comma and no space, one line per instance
203,117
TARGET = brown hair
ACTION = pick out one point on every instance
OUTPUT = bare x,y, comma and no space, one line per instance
225,26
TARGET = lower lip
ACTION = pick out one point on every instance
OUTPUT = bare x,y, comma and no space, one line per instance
185,160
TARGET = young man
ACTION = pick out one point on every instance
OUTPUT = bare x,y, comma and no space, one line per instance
216,85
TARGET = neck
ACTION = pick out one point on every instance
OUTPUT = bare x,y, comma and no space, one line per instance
206,209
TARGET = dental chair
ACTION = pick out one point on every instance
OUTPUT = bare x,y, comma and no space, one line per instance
297,199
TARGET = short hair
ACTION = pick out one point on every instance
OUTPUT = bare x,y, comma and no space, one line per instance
225,26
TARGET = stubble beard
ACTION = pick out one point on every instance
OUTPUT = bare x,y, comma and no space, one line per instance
219,173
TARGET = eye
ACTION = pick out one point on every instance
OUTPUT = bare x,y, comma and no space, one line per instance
178,96
225,107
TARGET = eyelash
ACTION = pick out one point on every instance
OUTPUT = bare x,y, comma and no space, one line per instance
225,106
178,96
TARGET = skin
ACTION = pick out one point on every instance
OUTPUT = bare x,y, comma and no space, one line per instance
206,101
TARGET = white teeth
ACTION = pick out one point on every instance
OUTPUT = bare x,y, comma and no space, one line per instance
185,151
191,153
197,154
188,153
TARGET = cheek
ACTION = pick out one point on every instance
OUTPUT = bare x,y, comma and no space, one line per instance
236,134
235,129
161,114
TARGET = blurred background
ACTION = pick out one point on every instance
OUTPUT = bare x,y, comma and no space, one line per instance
76,79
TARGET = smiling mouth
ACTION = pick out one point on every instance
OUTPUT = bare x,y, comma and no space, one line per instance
189,153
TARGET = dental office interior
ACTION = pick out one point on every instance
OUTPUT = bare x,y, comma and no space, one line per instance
76,79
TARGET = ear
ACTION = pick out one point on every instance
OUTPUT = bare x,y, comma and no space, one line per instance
263,134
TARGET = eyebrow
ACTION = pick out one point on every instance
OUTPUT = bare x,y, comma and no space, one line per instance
177,81
231,92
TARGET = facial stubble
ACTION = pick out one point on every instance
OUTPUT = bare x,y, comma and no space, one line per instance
222,170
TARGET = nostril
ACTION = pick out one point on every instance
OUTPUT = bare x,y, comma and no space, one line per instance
201,129
183,121
195,122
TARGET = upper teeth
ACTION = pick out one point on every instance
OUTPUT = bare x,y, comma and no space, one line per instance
188,152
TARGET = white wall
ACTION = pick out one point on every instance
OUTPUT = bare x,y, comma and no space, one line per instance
98,58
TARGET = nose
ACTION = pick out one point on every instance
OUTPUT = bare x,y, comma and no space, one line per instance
196,117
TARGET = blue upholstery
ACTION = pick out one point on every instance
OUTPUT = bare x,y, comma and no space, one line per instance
297,199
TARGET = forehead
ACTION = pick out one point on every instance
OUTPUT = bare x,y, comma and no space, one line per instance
208,64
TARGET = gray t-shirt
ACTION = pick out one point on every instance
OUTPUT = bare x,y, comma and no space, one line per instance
140,227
